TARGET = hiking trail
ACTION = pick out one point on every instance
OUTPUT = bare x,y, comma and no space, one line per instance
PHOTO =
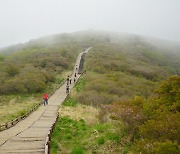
29,135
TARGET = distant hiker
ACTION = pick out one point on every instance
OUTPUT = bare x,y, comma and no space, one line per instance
76,67
68,79
74,79
45,97
75,76
67,88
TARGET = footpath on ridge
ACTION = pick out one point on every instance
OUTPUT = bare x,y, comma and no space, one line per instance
29,135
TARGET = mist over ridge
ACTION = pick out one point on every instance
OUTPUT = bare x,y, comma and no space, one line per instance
22,20
95,35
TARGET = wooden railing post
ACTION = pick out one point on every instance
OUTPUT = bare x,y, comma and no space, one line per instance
49,147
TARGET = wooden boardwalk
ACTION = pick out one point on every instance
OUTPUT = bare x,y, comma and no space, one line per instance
29,135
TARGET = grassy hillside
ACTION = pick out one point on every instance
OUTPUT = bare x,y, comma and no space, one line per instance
127,126
122,83
78,131
29,71
124,73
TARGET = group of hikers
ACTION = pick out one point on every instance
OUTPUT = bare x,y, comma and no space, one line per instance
68,82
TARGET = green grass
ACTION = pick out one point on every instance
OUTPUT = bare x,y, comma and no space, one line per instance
77,150
69,133
70,102
102,127
77,137
80,84
126,149
114,136
100,140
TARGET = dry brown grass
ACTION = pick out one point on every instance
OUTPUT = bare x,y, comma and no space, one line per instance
87,113
12,109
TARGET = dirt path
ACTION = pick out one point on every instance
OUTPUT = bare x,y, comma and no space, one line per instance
29,135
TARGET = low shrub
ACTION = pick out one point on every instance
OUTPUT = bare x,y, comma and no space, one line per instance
80,84
152,124
100,140
70,102
149,147
77,150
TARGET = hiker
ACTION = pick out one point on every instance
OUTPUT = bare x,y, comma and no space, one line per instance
67,88
45,97
76,67
75,75
68,79
74,79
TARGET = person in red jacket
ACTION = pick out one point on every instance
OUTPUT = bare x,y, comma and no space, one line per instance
45,97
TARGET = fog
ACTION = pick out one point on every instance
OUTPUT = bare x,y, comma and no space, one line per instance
22,20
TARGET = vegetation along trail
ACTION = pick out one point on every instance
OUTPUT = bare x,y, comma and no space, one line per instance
29,135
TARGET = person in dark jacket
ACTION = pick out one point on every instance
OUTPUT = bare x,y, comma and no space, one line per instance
67,88
74,79
76,67
70,80
67,79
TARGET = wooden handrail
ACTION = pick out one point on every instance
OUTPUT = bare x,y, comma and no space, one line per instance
48,138
13,122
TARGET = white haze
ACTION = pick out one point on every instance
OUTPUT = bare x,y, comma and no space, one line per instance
22,20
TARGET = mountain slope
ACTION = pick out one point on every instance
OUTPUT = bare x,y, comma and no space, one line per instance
123,70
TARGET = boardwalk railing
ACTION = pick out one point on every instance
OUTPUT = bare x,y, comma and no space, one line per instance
15,121
48,138
18,119
81,64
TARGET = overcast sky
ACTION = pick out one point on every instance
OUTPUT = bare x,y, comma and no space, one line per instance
22,20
